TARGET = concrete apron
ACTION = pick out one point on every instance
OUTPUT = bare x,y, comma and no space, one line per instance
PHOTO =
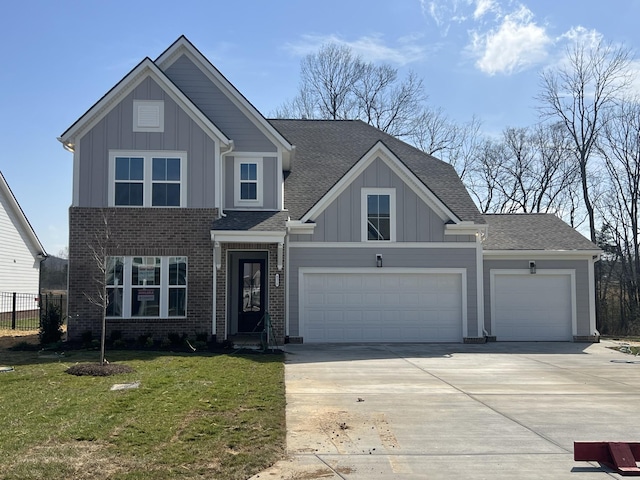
498,410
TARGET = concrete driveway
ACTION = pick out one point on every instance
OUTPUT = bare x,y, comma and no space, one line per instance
492,411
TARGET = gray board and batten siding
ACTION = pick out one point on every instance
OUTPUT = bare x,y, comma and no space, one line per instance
341,221
581,268
218,107
419,257
115,132
270,182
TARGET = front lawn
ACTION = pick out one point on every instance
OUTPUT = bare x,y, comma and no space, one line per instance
193,416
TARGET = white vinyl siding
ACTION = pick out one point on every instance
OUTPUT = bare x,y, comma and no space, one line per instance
19,269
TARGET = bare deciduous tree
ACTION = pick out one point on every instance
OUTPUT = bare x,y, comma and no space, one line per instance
620,148
100,249
578,94
338,85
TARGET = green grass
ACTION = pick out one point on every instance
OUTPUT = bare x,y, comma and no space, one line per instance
194,416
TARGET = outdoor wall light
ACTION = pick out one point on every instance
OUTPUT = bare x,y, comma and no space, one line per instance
378,260
532,266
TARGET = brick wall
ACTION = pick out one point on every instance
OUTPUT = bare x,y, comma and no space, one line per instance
140,231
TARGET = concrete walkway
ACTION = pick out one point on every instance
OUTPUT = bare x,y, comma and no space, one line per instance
492,411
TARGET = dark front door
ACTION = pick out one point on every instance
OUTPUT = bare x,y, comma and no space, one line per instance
251,298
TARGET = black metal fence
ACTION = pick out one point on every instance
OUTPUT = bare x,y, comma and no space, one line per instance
21,311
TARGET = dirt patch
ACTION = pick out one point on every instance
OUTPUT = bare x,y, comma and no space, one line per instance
11,338
97,370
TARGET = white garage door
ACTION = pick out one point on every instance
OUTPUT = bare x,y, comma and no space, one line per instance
381,307
534,307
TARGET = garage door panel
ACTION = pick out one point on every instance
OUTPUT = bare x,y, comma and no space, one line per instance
533,307
381,307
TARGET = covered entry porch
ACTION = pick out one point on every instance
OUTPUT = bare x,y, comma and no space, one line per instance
249,285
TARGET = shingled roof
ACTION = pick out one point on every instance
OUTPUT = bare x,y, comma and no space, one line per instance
327,149
532,231
253,221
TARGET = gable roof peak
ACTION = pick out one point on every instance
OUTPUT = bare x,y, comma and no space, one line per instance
146,67
12,201
184,45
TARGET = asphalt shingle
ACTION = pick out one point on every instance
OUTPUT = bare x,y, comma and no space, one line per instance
254,221
532,231
327,149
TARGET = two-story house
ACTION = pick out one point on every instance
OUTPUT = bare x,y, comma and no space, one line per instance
210,216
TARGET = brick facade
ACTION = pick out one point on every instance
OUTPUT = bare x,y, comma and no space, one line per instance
276,303
141,231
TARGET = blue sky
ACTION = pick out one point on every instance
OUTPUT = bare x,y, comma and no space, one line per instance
476,57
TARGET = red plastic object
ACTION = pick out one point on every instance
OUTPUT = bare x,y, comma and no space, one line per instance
619,456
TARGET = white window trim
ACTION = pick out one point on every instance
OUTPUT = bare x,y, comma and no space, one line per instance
365,192
147,182
259,182
164,287
137,104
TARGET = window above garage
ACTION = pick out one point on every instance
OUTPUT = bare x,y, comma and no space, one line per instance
378,214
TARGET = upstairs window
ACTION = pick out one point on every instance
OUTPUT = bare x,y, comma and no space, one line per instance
248,181
378,214
147,179
129,181
166,182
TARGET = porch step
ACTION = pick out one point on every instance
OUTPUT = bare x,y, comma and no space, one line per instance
247,341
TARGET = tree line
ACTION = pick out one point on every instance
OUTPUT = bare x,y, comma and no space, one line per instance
580,161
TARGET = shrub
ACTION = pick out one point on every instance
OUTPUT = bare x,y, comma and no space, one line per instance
176,339
202,337
115,335
86,337
51,324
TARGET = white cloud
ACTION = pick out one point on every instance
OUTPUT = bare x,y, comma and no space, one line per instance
370,48
514,45
483,7
444,13
580,34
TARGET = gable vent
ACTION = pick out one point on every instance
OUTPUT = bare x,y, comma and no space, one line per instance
148,116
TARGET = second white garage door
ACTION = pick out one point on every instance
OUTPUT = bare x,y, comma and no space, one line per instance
381,306
532,307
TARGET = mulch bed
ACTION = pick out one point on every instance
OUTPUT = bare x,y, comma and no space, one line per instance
97,370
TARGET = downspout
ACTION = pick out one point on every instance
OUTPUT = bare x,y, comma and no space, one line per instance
222,175
217,248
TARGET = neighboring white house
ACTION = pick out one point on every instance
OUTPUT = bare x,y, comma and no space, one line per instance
20,250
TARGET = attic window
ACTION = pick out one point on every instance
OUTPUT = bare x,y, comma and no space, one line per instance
148,116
